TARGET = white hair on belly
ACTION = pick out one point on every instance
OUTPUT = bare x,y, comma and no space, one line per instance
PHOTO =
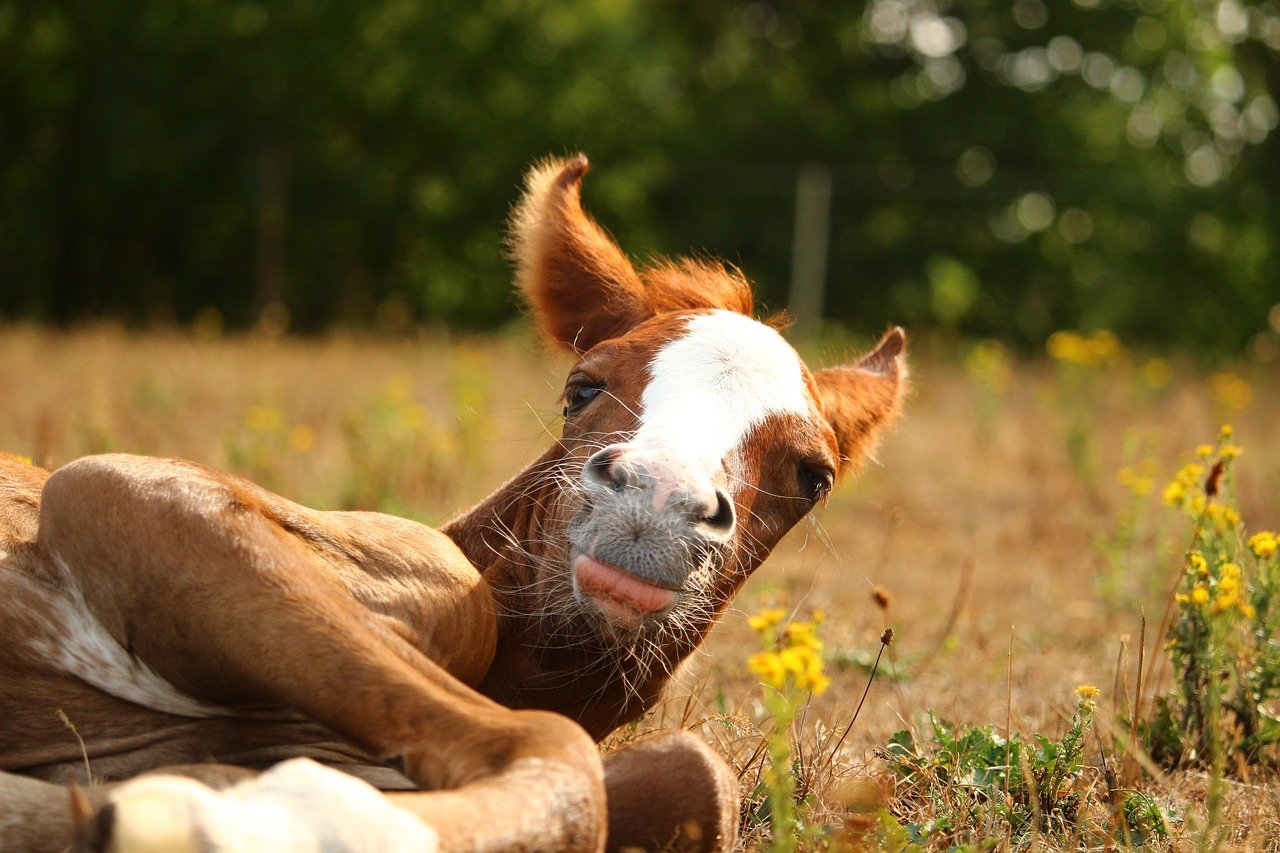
712,385
78,643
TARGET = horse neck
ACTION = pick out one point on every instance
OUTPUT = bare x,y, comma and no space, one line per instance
502,535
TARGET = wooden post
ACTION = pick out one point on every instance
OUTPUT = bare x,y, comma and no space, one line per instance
809,247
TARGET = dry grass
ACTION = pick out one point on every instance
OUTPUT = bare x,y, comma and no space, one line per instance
976,523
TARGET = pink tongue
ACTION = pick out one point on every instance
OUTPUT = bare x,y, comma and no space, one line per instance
622,595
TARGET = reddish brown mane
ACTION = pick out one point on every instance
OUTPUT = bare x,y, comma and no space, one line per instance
687,284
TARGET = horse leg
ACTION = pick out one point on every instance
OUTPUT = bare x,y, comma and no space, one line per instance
224,603
670,791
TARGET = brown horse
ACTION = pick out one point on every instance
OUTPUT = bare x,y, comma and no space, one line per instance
184,618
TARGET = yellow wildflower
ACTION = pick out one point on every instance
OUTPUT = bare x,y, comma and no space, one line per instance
769,666
800,660
1204,451
1181,597
1223,517
1264,544
1247,610
815,682
766,619
1199,595
1087,691
1174,494
1231,451
1225,601
1226,432
1099,348
803,634
1064,346
1198,563
1103,346
1190,474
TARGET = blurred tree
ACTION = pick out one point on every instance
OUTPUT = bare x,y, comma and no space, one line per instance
999,168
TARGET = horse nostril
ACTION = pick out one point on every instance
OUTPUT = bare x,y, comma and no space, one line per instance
722,518
602,468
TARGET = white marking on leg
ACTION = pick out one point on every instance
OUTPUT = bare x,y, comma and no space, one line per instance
81,645
294,807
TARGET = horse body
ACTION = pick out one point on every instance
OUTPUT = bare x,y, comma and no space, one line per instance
177,614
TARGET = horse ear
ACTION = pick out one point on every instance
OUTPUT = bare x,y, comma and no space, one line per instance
580,285
859,400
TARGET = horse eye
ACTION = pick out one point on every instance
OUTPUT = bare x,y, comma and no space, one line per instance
816,481
579,394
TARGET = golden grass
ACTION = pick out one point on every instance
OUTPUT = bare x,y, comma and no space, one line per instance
975,526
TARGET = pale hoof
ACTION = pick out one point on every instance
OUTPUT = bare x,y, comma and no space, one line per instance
295,807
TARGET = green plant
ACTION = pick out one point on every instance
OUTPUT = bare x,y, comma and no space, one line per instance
790,669
1223,616
973,785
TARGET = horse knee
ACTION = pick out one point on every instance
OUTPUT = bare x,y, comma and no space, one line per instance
671,792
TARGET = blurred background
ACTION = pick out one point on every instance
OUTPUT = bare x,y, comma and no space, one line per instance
997,169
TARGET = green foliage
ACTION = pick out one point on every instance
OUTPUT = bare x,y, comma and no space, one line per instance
1222,637
1004,170
975,785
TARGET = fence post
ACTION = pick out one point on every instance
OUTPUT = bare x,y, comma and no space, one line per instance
809,247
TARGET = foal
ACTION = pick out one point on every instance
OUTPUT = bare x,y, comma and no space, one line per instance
179,615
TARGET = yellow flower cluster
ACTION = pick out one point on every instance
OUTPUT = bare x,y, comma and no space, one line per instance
1087,692
1229,586
766,619
1222,517
1264,544
796,656
1095,350
1184,491
1140,483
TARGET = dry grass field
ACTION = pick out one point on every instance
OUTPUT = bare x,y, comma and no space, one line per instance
993,524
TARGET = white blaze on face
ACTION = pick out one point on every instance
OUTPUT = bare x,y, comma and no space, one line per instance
712,385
